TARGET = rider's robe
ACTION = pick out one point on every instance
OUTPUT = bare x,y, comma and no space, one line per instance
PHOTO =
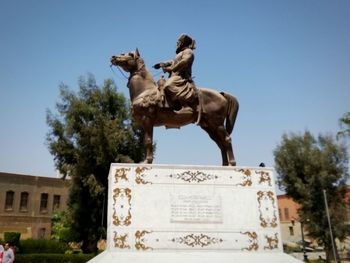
179,86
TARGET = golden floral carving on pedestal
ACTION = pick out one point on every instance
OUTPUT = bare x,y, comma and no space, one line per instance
247,177
139,242
193,176
272,242
267,209
121,174
253,241
193,240
122,206
120,241
139,179
264,177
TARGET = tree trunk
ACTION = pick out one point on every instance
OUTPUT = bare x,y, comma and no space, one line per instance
330,255
89,246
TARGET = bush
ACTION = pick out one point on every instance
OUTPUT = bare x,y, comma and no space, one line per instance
36,246
288,249
53,258
12,238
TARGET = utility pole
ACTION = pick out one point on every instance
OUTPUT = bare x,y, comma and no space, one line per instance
329,224
303,240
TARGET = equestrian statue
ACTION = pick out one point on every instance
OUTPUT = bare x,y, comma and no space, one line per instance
176,101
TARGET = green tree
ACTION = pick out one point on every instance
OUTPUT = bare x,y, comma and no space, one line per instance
345,125
92,129
306,166
60,229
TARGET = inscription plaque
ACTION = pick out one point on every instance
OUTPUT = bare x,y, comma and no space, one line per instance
205,209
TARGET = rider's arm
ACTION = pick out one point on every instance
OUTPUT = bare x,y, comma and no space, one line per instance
163,64
185,61
166,63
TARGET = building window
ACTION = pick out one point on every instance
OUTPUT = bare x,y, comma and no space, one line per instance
291,231
23,206
286,213
279,213
56,202
43,202
9,200
41,233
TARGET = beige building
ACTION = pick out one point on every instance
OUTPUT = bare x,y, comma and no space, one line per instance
290,223
291,227
28,202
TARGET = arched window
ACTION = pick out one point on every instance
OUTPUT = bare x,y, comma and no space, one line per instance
43,202
23,207
56,202
10,195
41,233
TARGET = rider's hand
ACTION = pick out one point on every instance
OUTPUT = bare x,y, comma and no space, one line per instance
167,69
157,66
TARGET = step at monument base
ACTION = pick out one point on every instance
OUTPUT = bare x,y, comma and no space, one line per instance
193,257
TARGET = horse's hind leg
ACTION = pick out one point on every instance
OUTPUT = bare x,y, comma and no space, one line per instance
214,137
223,140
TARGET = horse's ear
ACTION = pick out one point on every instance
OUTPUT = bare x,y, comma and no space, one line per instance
137,53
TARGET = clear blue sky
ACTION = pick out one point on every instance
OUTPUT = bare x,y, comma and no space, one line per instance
287,62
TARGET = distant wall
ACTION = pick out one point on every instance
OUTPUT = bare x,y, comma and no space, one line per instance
28,202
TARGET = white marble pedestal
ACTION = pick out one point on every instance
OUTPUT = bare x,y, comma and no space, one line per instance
192,214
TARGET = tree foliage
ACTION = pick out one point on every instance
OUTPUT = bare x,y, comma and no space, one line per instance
60,229
92,129
306,166
345,125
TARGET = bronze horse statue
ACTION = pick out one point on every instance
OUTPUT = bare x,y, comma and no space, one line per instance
216,111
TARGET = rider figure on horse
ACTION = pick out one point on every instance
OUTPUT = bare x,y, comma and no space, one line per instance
179,88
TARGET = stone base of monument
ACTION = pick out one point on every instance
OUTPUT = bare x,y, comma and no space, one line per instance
192,214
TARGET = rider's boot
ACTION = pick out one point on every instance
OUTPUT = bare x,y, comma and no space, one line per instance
186,109
188,105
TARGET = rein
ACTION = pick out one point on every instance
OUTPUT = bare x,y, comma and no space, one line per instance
126,77
121,72
200,108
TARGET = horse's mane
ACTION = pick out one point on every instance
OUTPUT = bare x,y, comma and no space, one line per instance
143,71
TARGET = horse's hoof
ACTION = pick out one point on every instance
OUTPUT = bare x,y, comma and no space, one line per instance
232,163
148,161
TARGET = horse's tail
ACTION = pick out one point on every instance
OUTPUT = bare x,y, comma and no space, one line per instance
232,111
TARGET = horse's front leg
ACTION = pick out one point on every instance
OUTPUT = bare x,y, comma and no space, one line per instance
148,139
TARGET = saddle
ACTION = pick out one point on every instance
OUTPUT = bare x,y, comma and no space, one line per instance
168,102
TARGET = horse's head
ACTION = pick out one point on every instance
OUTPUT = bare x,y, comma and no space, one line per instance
129,61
